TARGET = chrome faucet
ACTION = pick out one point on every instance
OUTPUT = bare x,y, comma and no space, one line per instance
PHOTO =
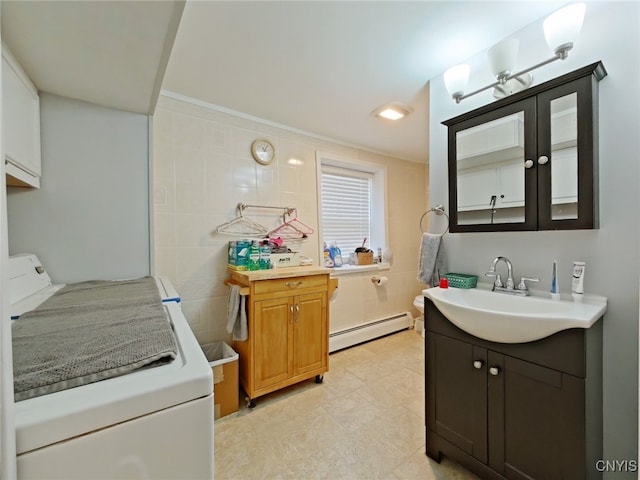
509,287
492,273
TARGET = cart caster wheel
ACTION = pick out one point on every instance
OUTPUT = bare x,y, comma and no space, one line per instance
250,402
319,378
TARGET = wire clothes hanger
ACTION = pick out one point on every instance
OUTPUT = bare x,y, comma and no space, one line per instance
242,225
292,228
438,210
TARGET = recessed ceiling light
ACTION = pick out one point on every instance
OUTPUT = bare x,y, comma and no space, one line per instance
393,111
391,114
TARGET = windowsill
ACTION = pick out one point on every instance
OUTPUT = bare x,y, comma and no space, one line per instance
353,269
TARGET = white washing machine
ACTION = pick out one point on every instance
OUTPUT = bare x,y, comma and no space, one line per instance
151,424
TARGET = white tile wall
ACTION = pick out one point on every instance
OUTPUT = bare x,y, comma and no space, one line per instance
203,168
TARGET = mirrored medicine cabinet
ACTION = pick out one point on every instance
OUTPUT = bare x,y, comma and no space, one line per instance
528,161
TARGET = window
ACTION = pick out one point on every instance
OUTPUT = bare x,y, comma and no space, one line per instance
346,207
351,204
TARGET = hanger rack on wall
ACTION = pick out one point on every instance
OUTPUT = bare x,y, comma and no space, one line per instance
438,210
242,225
291,227
287,210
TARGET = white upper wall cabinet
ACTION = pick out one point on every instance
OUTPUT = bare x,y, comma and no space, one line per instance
21,124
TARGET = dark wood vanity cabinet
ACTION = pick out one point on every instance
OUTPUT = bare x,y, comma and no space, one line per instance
516,411
528,161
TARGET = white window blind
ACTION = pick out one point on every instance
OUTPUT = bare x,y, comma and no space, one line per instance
346,207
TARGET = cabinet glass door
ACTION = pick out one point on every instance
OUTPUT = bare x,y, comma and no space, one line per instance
491,169
564,158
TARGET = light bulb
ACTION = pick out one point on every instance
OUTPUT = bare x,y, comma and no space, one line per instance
561,28
391,114
456,80
503,57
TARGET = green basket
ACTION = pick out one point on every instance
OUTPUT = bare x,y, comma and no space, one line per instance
461,280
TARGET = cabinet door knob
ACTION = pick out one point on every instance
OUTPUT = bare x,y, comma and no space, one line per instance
292,317
478,364
297,316
543,159
528,163
494,371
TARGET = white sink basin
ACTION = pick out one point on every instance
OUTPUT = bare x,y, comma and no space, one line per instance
505,318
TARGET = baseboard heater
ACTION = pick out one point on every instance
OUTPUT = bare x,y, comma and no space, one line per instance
368,331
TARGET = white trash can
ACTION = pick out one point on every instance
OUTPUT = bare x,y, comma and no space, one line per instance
224,362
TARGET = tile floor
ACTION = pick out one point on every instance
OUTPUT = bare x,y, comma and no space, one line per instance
365,421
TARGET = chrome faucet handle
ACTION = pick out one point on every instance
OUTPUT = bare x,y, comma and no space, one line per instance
498,280
523,286
510,283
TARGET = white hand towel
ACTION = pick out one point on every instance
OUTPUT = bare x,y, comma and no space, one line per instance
232,307
241,333
431,259
237,315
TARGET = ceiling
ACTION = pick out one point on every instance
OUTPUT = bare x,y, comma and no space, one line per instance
320,67
112,53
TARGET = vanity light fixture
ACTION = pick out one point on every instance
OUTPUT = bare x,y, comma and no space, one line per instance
393,111
561,28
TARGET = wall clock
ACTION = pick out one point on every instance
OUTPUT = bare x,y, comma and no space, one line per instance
263,151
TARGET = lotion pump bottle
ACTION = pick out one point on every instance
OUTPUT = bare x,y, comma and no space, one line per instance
577,281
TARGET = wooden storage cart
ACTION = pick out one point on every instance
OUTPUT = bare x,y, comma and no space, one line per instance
288,327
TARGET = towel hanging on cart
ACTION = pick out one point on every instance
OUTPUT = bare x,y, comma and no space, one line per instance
237,314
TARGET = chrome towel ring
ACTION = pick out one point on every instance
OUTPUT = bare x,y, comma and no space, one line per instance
438,210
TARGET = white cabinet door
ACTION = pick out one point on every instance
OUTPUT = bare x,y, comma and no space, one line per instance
21,124
564,174
504,181
475,189
511,185
498,140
